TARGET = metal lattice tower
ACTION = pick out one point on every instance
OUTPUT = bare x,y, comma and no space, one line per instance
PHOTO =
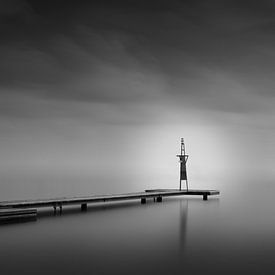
183,160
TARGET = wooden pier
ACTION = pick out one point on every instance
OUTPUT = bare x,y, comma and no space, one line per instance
17,209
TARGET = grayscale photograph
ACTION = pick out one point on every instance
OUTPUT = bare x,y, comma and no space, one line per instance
137,137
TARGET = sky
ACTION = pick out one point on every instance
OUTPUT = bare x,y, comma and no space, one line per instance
95,95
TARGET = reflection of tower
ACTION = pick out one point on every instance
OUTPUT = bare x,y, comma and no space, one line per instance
183,227
183,159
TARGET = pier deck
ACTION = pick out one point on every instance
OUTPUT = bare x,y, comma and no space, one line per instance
157,194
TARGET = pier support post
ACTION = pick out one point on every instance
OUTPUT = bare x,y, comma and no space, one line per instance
159,199
54,209
60,209
84,207
143,200
205,197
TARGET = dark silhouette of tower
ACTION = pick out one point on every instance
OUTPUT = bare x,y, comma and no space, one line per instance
183,159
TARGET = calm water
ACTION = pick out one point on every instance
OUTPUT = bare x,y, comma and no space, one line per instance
232,234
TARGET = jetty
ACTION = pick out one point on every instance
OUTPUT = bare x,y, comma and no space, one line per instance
23,210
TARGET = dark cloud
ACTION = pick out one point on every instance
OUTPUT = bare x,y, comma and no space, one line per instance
10,9
207,53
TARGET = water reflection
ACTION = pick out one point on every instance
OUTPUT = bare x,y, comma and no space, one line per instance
183,216
116,237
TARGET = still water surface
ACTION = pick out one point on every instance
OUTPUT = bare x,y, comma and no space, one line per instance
230,234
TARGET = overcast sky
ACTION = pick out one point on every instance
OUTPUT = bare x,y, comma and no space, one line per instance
89,86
